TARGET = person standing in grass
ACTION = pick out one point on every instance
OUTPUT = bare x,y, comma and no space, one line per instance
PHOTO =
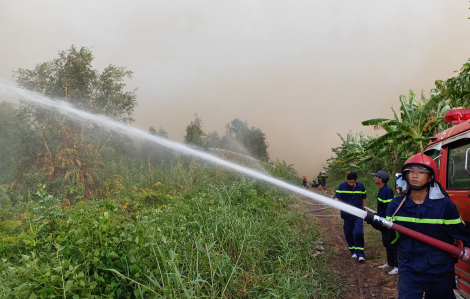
304,181
353,193
384,197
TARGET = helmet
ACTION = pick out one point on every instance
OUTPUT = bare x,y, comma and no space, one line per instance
426,164
305,176
323,171
425,161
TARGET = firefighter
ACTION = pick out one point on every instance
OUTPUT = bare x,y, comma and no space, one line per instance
320,183
314,184
426,208
384,197
323,177
353,193
304,181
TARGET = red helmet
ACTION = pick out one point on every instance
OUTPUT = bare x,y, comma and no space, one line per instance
423,160
305,176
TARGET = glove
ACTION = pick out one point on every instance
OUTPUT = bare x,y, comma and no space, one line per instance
376,222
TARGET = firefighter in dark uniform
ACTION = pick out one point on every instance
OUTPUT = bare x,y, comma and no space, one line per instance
323,177
304,181
353,193
320,183
426,208
384,198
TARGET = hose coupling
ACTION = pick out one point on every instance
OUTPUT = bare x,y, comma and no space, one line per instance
464,257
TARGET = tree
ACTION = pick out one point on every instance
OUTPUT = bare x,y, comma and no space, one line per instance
213,140
352,153
408,134
161,132
253,139
71,77
70,150
194,133
456,90
19,143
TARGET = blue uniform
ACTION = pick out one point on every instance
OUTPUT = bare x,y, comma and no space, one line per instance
323,178
423,267
384,198
353,225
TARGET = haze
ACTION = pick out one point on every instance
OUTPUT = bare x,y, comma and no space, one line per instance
301,71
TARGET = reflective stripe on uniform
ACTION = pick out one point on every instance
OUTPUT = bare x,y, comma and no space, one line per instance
385,201
428,221
397,236
356,248
357,192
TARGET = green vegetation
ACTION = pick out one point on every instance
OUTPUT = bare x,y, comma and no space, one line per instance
406,134
238,138
90,213
194,233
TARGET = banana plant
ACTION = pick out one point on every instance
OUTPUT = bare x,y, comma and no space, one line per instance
410,132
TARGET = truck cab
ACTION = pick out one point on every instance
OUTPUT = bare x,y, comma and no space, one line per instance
451,151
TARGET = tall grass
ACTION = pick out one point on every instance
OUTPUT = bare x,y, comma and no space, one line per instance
178,231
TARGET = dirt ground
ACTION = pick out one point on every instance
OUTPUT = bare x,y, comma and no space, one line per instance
362,279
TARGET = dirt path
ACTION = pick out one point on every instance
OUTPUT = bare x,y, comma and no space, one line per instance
364,280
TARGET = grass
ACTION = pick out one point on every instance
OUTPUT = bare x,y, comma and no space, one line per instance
184,231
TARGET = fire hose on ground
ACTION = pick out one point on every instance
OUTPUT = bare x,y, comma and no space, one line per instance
463,253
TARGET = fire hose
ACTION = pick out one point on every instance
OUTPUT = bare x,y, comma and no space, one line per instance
463,253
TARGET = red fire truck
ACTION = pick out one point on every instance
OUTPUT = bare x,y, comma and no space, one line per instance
451,151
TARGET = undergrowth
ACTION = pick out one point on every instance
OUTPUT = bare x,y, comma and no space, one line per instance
184,231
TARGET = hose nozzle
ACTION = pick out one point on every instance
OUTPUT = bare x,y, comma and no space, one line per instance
377,222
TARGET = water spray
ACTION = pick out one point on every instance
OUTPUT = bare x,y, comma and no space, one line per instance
69,110
463,253
66,109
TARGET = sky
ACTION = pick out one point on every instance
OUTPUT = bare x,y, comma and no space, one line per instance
301,71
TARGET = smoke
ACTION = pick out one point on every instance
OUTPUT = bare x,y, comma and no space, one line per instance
301,71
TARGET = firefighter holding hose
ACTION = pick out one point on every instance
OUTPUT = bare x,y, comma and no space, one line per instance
425,208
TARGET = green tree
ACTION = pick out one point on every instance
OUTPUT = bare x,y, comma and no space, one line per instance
408,134
352,154
213,140
70,150
253,139
18,143
456,90
194,133
160,132
72,78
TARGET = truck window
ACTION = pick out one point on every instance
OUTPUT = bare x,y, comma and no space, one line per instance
457,175
435,154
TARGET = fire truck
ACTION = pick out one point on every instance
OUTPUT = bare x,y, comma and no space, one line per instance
451,151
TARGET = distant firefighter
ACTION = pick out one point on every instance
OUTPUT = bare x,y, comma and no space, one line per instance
323,177
304,181
320,183
314,184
